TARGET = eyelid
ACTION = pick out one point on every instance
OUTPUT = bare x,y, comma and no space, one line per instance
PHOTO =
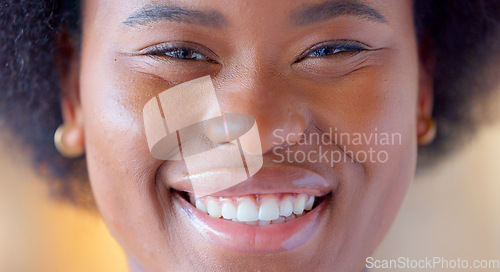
156,50
335,42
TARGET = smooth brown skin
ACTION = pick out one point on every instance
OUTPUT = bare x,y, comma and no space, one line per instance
388,88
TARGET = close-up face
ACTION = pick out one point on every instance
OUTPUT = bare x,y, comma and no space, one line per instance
348,71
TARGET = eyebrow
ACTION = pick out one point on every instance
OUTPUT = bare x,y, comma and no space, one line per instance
156,13
331,9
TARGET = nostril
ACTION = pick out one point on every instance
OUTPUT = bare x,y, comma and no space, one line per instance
215,130
238,124
229,127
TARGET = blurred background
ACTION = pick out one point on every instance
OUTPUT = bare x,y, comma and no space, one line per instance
452,211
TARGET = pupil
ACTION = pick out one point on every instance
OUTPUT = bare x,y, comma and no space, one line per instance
325,51
184,53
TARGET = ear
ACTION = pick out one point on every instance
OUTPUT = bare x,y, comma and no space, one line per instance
68,65
425,94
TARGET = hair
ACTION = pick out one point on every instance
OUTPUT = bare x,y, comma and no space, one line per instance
461,36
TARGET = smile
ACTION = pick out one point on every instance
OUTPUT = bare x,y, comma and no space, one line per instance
259,216
259,210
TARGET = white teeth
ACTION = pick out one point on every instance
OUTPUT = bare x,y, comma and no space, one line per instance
228,210
299,204
286,207
256,209
213,208
309,204
247,210
269,209
200,206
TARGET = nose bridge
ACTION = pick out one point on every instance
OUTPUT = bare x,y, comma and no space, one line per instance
260,91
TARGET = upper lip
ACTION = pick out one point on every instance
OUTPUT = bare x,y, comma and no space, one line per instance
269,180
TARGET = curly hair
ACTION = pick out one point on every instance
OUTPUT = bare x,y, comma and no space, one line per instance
462,37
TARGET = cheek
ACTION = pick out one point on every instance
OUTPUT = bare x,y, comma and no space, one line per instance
373,102
121,169
372,109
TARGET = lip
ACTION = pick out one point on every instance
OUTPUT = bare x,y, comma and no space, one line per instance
269,180
250,239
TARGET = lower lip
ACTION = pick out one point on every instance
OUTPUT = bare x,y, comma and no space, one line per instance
250,239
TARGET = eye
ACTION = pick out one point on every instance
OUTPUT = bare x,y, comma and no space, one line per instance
178,51
184,53
335,48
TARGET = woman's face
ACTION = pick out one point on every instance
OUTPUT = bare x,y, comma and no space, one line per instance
300,68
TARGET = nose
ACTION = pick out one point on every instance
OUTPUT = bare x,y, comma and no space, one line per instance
268,99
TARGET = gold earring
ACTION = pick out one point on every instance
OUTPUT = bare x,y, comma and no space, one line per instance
61,147
430,134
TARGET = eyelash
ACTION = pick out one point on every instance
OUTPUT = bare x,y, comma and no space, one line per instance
178,52
337,47
325,49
